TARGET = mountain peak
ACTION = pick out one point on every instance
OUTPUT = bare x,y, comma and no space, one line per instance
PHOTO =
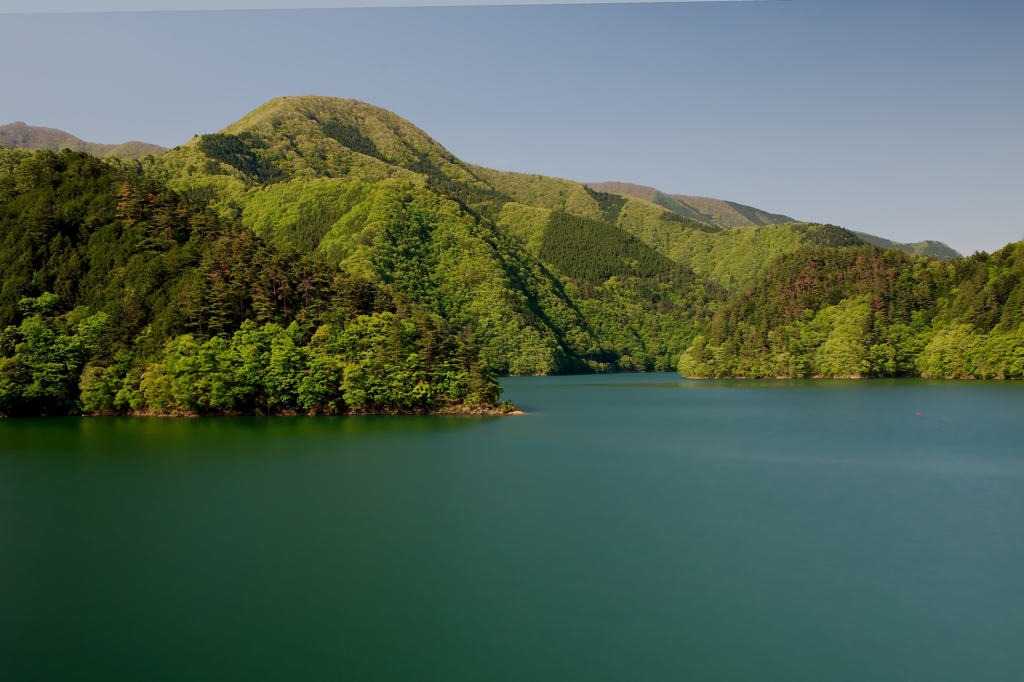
328,136
356,125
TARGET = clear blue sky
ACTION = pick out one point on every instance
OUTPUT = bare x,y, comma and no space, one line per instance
902,119
37,6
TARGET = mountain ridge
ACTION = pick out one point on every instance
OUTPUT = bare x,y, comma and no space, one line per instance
926,247
714,211
19,135
731,214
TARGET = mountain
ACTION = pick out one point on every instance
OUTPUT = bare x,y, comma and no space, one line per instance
542,274
21,136
928,247
534,269
655,197
730,214
326,255
712,211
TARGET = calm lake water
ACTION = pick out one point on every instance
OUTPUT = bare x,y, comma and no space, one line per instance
628,528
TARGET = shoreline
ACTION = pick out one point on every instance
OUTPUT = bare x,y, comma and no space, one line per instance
470,412
450,412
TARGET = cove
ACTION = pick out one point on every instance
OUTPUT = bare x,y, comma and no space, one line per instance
639,527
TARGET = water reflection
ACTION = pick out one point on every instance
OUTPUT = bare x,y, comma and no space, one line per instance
238,435
841,530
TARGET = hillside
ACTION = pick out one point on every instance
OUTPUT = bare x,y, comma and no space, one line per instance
510,273
363,188
728,214
120,295
712,211
348,181
21,136
862,312
655,197
926,248
732,243
731,214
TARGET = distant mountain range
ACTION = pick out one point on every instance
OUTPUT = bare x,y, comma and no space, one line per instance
714,211
925,248
23,136
730,214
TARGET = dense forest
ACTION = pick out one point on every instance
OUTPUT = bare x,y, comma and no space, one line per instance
543,275
323,256
120,295
860,312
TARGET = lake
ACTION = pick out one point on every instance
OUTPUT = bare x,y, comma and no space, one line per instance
630,527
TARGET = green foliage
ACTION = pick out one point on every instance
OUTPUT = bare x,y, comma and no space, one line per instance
609,204
119,295
655,197
539,274
554,194
410,216
428,249
351,137
867,312
714,212
732,257
826,235
372,363
242,151
593,251
325,255
301,212
959,351
80,228
686,222
985,290
40,359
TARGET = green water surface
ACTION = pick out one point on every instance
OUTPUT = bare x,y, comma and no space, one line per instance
628,528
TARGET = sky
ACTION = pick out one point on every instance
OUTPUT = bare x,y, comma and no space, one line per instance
899,118
38,6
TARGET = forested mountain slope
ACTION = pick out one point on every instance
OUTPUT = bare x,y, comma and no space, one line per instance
870,312
18,135
729,214
471,270
122,295
654,196
362,187
485,249
928,247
